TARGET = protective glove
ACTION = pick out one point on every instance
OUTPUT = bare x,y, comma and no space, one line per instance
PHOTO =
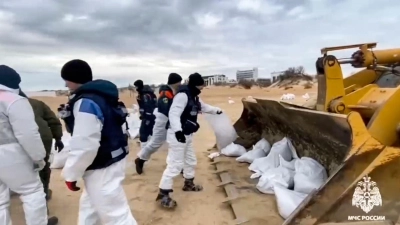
140,117
58,145
219,112
71,185
180,137
38,165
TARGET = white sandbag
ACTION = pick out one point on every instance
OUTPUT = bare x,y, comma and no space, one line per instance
311,168
288,96
261,165
255,175
309,175
260,149
58,159
280,175
305,184
133,124
264,145
292,149
233,150
287,164
223,129
287,200
251,155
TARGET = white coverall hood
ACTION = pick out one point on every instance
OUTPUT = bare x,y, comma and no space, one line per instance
4,88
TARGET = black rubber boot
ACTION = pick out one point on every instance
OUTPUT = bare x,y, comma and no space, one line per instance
52,221
165,200
182,173
139,165
190,186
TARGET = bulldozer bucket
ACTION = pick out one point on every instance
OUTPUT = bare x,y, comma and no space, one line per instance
343,145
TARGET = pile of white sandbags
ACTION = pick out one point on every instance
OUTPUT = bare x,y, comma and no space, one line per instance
281,172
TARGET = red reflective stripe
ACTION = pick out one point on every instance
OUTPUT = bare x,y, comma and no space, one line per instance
167,94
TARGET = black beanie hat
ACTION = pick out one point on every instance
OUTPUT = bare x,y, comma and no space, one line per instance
77,71
9,77
138,84
174,78
195,79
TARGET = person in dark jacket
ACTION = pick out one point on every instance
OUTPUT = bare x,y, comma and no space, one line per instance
98,146
164,102
147,102
182,126
49,128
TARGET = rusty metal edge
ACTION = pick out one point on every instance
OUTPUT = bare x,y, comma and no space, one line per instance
231,192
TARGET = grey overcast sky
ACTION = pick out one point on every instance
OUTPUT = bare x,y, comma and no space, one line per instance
124,40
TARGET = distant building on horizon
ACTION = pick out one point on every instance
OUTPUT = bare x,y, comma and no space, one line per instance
247,74
217,78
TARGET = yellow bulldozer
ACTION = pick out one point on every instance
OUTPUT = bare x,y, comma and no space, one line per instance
352,131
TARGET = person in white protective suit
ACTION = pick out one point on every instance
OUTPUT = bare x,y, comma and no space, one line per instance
164,101
21,153
98,146
182,125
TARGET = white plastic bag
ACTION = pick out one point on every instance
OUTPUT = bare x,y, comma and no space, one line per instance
251,155
133,124
311,168
58,159
306,96
306,185
309,175
281,175
214,155
288,96
260,149
287,164
233,150
223,129
287,200
262,165
264,145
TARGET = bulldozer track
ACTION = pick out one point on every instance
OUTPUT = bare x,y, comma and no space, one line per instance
232,193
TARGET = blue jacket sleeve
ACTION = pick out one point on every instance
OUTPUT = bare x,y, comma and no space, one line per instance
85,140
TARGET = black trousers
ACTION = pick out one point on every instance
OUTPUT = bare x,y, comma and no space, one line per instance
146,129
45,173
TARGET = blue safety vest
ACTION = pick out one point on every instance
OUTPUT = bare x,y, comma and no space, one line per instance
113,141
189,114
